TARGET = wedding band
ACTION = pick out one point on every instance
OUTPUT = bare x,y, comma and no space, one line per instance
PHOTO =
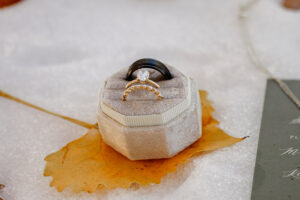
145,87
149,63
143,78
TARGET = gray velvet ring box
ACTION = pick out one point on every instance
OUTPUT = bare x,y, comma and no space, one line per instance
144,127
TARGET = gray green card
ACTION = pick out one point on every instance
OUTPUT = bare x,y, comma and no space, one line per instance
277,169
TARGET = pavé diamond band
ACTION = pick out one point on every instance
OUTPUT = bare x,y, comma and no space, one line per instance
142,87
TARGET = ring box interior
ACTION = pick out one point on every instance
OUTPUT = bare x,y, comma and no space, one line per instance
143,127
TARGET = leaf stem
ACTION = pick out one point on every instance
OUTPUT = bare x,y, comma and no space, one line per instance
70,119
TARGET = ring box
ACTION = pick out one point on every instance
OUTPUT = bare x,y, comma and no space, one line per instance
144,127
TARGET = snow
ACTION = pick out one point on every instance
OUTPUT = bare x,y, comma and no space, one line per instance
56,54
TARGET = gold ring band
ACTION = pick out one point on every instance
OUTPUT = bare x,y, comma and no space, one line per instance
143,82
143,78
142,87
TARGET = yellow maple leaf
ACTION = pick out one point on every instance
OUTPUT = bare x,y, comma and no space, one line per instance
88,164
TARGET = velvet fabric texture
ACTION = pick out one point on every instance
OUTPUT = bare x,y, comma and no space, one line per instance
150,142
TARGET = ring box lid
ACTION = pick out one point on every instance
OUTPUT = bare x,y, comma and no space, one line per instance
142,107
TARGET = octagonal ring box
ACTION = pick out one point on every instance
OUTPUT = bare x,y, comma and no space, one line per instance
144,127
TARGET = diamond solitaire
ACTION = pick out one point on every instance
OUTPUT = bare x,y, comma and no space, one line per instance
143,78
143,74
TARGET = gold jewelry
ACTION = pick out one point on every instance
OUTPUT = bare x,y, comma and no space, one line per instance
142,87
142,77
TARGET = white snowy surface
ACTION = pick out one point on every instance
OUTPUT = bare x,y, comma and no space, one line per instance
56,54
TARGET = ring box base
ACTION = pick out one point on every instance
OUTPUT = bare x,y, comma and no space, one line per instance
173,123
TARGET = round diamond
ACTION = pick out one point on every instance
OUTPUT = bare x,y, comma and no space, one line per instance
143,74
